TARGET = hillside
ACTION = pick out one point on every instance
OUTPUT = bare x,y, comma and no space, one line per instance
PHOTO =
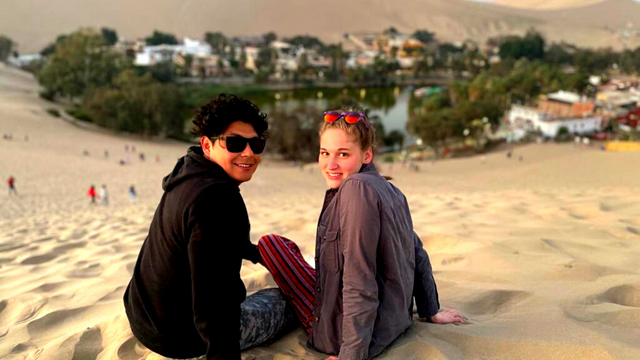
546,4
34,23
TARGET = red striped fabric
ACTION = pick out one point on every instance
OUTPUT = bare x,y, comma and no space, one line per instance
294,276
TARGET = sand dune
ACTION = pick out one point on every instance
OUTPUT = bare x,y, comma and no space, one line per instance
35,23
540,255
546,4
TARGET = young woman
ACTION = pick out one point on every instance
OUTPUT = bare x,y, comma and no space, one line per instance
370,264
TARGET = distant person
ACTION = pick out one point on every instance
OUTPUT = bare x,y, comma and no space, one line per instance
126,147
106,154
185,298
26,138
509,154
104,195
92,194
11,182
85,152
521,158
142,157
132,194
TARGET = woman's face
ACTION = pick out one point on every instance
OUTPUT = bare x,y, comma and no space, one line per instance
340,156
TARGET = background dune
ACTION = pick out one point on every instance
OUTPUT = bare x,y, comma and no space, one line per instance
541,255
35,23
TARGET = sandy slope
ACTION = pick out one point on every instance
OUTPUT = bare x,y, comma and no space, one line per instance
35,23
546,4
541,255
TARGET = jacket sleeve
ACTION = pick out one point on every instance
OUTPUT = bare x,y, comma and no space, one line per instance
219,224
250,252
360,234
424,285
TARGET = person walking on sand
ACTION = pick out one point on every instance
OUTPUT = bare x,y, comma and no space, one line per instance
370,264
92,194
132,194
104,195
11,182
185,298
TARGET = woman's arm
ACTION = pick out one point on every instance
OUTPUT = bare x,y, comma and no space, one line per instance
359,233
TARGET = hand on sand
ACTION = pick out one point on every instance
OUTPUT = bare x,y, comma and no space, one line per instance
332,358
447,316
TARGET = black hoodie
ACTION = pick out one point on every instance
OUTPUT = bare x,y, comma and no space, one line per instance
184,297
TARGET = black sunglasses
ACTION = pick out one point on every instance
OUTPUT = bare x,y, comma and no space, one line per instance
237,144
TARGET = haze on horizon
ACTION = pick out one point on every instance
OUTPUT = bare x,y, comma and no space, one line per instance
33,24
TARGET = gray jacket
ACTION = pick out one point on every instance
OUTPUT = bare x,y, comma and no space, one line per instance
370,265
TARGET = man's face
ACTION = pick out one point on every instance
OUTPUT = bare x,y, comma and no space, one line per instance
340,157
239,166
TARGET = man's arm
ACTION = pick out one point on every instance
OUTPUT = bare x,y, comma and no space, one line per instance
219,225
424,285
360,234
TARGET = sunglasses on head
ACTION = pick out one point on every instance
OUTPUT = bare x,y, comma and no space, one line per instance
350,117
237,144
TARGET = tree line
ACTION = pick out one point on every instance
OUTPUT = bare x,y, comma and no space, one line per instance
105,87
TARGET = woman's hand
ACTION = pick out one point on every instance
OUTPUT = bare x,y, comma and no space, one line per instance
332,358
447,316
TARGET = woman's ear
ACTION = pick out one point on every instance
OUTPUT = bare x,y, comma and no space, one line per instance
368,156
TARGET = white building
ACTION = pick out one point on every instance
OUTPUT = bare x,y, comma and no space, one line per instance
154,54
24,60
523,119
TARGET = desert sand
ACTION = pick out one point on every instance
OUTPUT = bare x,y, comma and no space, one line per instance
541,255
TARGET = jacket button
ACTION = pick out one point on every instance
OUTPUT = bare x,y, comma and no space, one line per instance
318,289
317,319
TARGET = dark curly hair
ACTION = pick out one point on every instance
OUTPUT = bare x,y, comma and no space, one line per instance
215,117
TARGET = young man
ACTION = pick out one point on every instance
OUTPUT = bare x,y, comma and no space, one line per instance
184,298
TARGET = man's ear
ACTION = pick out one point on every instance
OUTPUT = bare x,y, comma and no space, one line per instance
368,156
207,146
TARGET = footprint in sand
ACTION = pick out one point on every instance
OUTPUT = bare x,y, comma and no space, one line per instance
20,348
114,295
63,248
452,260
39,259
10,247
19,310
633,230
77,234
618,307
47,238
89,345
495,301
92,270
625,295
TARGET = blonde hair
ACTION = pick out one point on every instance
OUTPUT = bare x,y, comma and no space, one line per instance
361,132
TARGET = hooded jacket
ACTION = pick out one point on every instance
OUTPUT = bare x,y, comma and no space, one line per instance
184,297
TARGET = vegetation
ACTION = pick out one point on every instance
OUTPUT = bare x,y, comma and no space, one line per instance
6,48
161,38
110,36
80,62
137,104
53,112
